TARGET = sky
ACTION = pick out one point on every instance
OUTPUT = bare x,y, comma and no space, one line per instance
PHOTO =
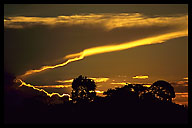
113,44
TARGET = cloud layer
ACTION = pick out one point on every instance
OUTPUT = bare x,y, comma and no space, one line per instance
106,20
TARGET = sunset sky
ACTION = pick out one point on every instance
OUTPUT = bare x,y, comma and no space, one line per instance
112,44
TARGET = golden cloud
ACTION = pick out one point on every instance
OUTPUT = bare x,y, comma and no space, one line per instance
186,78
181,94
64,81
183,82
181,98
53,86
147,85
119,83
99,91
97,80
107,20
140,77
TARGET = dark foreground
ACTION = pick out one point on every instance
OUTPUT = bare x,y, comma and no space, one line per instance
108,112
120,106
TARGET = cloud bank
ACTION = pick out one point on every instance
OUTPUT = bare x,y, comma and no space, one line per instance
108,21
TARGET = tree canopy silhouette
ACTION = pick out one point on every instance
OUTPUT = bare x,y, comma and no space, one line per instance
83,89
162,90
159,90
129,92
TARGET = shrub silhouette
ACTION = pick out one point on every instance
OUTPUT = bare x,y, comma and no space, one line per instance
83,89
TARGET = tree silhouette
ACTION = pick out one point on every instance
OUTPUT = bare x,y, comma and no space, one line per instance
162,90
83,89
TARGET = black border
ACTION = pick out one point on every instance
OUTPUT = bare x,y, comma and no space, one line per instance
96,1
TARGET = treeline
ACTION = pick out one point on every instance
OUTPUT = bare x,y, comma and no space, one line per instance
130,104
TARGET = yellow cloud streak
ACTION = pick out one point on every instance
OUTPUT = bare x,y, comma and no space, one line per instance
120,83
181,94
97,80
41,90
112,48
50,67
127,45
99,92
140,77
64,81
147,85
53,86
186,78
